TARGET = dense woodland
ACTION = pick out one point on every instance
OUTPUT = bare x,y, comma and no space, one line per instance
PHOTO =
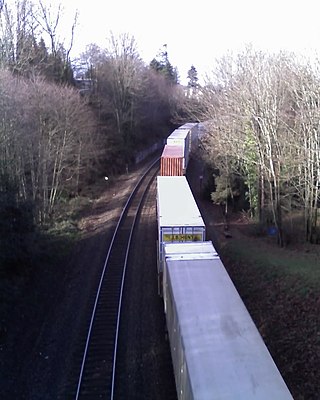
261,112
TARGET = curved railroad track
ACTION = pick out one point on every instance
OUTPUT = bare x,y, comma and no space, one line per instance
97,374
144,368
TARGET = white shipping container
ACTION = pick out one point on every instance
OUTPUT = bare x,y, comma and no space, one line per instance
217,351
193,127
179,218
181,137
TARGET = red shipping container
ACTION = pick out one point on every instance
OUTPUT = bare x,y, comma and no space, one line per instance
171,163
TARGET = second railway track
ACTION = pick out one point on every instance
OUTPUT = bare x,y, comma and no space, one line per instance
96,378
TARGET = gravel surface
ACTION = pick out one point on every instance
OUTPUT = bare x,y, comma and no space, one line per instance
47,318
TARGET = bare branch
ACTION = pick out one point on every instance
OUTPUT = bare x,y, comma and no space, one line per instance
50,23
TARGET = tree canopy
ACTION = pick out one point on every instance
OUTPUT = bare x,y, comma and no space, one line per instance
162,65
263,118
193,77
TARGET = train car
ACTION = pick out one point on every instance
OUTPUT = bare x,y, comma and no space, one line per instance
217,351
179,219
171,161
181,137
189,125
193,128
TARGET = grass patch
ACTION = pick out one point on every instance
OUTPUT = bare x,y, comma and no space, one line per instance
275,261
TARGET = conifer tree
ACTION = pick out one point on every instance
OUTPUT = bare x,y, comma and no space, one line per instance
162,65
193,78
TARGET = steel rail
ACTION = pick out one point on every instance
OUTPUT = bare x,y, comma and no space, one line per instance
123,215
122,285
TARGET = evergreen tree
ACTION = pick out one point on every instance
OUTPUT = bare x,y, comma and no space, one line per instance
161,64
193,78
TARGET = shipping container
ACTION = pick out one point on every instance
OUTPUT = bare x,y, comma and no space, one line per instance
217,351
181,137
179,218
171,162
189,125
193,128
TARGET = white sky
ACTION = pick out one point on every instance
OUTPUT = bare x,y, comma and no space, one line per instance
198,31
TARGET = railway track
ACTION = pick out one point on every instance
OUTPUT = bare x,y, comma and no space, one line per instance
97,374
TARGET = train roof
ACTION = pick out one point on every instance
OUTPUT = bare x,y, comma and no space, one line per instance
176,204
188,125
190,251
172,151
178,134
225,355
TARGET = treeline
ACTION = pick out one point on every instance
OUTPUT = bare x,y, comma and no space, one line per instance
264,116
134,101
53,140
48,148
29,40
262,111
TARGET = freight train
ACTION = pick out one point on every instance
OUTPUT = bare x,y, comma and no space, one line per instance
217,351
178,148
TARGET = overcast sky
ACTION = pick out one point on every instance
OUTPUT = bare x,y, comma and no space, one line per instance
198,31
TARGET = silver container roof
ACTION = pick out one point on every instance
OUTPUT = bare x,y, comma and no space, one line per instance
225,354
188,125
176,204
178,134
190,251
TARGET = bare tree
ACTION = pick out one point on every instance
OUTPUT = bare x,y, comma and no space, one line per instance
120,81
250,109
47,140
24,31
49,19
134,103
18,32
307,125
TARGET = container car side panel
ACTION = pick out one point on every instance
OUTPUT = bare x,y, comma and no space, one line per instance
181,372
171,166
179,218
181,137
171,162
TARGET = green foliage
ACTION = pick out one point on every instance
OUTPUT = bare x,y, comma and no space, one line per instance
229,188
193,77
222,191
162,65
290,265
250,163
265,113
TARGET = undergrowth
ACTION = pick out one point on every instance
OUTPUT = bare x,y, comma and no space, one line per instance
290,264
